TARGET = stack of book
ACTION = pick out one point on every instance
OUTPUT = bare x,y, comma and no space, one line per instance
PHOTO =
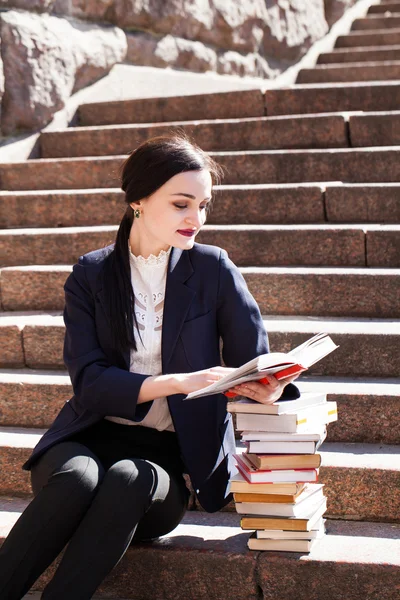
276,490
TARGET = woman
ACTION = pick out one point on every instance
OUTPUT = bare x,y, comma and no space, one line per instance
144,319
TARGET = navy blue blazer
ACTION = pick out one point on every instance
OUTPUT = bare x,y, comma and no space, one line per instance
206,300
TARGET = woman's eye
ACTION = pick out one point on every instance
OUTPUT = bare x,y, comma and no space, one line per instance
180,205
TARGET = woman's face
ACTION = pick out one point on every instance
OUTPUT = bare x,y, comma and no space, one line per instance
173,215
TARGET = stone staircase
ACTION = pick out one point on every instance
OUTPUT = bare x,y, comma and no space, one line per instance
310,212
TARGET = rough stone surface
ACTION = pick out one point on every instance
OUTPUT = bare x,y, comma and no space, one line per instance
43,346
224,105
263,133
32,290
13,480
333,97
384,37
64,174
64,209
278,31
60,247
34,5
343,55
351,72
293,166
365,494
11,350
379,203
229,24
334,9
375,22
277,246
31,405
370,165
285,575
375,129
232,205
365,418
46,59
179,53
335,293
383,248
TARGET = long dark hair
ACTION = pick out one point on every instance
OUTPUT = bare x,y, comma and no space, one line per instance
146,169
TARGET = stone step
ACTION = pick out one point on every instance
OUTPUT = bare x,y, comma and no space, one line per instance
368,347
235,205
361,38
346,470
385,6
224,105
359,203
323,131
325,291
375,129
377,21
331,97
368,71
279,245
368,407
261,133
204,544
350,165
371,54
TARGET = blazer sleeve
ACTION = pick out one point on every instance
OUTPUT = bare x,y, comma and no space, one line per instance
240,322
98,385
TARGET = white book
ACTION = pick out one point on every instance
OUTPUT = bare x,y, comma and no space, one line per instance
307,418
277,408
269,436
285,545
280,364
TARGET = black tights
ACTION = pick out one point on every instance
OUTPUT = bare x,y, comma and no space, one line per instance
97,511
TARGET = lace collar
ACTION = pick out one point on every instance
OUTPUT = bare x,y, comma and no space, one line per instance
152,260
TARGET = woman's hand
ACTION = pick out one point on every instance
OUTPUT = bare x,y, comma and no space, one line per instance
263,393
191,382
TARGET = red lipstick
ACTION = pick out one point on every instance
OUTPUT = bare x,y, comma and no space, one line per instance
186,232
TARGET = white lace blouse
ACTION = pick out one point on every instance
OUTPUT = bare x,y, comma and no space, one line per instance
148,281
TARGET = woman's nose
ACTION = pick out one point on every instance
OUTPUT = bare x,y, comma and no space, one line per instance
195,219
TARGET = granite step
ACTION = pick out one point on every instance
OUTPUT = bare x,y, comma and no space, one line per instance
261,133
223,105
385,6
377,21
347,470
204,544
233,204
375,129
350,165
368,407
312,291
279,245
362,38
332,97
358,71
371,54
368,347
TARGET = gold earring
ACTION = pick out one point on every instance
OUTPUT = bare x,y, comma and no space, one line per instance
136,212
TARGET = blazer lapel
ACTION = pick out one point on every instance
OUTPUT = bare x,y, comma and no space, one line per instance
178,298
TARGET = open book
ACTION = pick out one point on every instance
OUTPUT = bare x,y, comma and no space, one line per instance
279,364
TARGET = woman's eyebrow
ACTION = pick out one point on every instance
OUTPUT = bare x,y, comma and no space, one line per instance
187,195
